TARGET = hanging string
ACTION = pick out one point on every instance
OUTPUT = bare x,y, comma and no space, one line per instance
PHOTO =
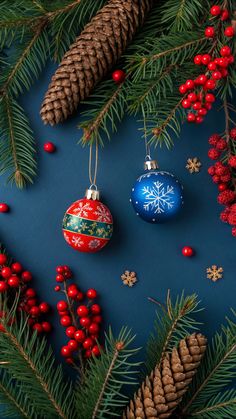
147,146
93,179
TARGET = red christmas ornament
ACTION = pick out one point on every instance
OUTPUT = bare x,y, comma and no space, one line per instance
4,207
49,147
88,223
187,251
118,76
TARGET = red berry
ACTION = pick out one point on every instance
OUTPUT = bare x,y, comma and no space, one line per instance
49,147
60,278
215,10
182,89
234,231
95,309
233,133
3,259
97,319
6,272
70,331
214,138
210,32
229,31
226,178
211,170
30,293
60,269
210,84
223,62
186,103
197,105
88,353
202,112
221,145
232,161
118,76
225,51
34,311
62,305
201,79
206,58
224,14
213,154
31,302
187,251
65,351
47,327
72,293
68,274
44,307
222,187
3,286
73,345
226,197
85,322
38,327
192,97
210,97
79,335
216,179
88,343
13,282
96,350
191,117
65,321
82,311
66,268
224,216
63,313
4,207
211,66
26,276
91,293
216,75
93,328
16,267
197,59
230,59
189,84
199,119
80,296
57,288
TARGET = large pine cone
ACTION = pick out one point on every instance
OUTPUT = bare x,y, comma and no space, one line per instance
91,56
163,390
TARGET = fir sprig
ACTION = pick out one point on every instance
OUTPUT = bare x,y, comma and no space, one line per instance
100,395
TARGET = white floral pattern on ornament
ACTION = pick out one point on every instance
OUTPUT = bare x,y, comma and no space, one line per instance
103,214
159,197
83,209
77,241
94,244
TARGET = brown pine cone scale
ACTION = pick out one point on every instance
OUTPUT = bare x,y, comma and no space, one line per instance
162,391
92,56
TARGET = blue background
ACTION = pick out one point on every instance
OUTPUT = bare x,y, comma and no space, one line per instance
31,231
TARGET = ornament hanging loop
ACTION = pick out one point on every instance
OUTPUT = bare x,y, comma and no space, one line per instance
92,192
149,163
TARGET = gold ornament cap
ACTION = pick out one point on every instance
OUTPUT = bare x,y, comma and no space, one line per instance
93,194
150,165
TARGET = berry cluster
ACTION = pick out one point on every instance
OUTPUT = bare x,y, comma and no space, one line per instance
198,96
80,316
223,175
14,279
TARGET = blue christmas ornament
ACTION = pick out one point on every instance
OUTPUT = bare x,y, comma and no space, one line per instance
157,196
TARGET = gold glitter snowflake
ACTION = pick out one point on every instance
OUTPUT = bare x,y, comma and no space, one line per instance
214,273
129,278
193,165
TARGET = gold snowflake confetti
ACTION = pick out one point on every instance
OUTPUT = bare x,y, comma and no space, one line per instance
129,278
193,165
214,273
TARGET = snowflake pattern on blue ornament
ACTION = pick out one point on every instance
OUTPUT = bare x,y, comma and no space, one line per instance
157,196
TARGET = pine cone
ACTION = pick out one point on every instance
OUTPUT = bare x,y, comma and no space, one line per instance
163,390
91,56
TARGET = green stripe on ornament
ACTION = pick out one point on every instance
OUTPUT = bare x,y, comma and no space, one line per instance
87,227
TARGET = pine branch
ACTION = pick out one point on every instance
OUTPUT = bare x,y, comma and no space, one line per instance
222,405
106,108
17,145
14,399
217,370
183,15
174,321
105,378
28,359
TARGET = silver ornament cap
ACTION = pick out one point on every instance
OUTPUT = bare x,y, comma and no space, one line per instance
93,194
150,165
